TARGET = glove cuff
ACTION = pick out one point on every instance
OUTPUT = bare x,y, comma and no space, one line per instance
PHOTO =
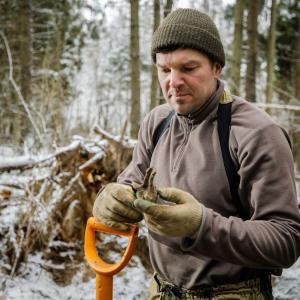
195,220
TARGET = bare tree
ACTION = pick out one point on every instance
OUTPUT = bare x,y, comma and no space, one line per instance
296,133
154,79
25,48
135,68
237,47
271,53
297,64
168,7
206,6
253,8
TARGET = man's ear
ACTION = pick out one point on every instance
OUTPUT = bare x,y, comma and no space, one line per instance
217,69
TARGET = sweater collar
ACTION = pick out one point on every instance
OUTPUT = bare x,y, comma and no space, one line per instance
209,107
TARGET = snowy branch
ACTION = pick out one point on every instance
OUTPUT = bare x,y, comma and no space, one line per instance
90,162
279,106
116,141
27,162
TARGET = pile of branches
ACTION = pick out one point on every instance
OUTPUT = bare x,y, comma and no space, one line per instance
51,208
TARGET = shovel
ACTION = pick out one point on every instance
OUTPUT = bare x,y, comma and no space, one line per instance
105,271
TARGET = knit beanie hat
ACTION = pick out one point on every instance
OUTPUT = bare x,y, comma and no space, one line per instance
188,28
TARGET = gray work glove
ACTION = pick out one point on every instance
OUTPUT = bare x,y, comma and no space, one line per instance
114,207
180,220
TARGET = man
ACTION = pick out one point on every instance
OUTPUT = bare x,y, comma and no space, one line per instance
200,246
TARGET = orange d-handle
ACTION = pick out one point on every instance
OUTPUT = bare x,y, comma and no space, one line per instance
105,271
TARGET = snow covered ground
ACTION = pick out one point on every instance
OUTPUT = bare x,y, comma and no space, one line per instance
288,285
36,284
132,284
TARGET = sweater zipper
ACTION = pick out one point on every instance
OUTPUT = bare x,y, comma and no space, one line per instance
183,145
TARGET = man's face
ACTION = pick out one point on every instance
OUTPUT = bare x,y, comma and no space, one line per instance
187,78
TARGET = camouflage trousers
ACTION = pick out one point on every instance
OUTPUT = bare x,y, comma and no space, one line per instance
254,289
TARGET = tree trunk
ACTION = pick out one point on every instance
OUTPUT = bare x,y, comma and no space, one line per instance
252,50
25,48
206,6
271,53
297,64
59,41
135,69
296,135
154,78
21,124
237,47
168,7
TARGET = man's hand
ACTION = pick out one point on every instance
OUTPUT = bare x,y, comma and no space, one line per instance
114,207
180,220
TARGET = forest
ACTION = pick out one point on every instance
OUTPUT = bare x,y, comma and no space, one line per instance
76,80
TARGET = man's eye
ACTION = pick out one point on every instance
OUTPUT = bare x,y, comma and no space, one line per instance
165,70
188,69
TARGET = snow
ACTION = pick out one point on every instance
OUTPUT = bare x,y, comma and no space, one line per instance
288,286
29,160
6,162
132,283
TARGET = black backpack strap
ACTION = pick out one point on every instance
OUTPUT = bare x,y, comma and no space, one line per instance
161,128
224,123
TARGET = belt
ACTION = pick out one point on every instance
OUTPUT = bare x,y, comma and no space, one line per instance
261,283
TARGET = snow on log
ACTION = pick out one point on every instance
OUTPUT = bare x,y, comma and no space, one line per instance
27,162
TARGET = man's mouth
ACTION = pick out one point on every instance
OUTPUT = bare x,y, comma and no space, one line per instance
177,95
181,95
180,98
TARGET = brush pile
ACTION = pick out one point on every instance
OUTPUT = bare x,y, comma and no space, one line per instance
46,201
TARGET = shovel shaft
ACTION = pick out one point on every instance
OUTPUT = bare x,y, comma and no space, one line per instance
104,287
105,271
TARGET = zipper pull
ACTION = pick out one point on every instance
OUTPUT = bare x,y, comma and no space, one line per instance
190,124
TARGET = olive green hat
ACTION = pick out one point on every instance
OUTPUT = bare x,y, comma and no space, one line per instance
188,28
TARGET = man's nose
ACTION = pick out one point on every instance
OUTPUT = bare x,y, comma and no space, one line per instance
175,79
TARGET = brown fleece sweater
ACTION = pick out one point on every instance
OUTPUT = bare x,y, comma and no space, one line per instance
188,156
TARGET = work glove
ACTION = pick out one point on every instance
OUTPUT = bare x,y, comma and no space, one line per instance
114,207
180,218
